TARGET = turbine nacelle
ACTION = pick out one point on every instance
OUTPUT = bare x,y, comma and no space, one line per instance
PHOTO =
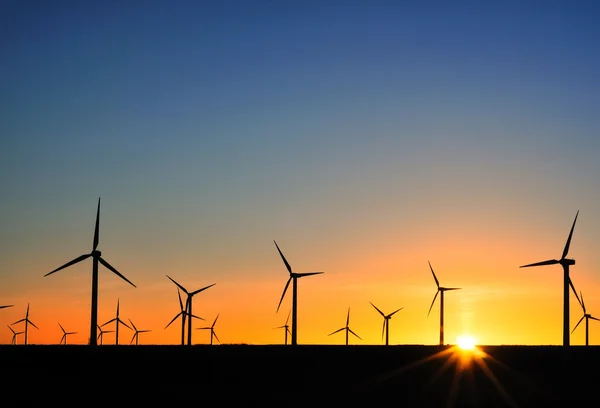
96,254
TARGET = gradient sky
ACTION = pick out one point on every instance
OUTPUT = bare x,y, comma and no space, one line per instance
366,138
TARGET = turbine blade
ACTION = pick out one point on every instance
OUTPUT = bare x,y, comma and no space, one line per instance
175,318
33,324
582,302
548,262
2,307
348,318
19,321
73,262
583,317
180,301
436,293
133,325
566,250
123,323
287,265
283,294
380,312
97,229
196,317
437,283
337,331
394,312
178,285
215,322
299,275
110,321
451,288
288,318
383,328
103,262
350,330
61,328
200,290
215,334
575,292
594,318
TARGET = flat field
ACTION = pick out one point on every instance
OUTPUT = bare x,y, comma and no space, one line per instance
308,375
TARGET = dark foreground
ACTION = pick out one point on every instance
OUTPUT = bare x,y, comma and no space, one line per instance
408,376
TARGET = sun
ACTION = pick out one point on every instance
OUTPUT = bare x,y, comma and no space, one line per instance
466,342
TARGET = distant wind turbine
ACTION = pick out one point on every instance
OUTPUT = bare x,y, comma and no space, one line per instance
15,334
183,313
117,321
101,334
136,335
386,322
63,339
212,331
587,318
96,257
27,323
285,328
441,291
188,305
347,328
293,277
565,263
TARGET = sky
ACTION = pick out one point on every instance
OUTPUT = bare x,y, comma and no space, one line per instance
366,138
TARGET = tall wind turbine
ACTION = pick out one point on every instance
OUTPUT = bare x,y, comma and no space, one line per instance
136,335
293,277
63,339
117,321
286,328
441,291
183,314
212,331
386,322
188,305
15,334
27,323
101,334
565,263
96,258
347,328
587,318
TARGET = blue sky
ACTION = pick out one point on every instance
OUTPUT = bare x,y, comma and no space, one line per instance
212,128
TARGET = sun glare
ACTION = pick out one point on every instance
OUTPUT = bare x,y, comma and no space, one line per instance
466,342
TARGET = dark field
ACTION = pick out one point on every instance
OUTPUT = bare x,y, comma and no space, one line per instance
523,376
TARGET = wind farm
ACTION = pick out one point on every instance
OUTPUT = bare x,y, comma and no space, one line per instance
277,163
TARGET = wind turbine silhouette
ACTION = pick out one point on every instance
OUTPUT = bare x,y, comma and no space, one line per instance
15,334
188,305
587,318
212,330
101,334
347,328
97,258
3,307
386,322
183,314
136,335
293,277
285,327
441,291
27,323
117,321
565,263
63,339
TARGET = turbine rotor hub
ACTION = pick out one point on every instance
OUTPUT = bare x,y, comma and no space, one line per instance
96,253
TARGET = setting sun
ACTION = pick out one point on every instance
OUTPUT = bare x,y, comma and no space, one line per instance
466,342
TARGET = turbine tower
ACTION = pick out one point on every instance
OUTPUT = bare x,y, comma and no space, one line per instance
587,318
188,305
347,328
441,291
96,258
386,322
293,277
565,263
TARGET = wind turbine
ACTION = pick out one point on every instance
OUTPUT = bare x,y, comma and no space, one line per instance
183,314
565,263
386,322
587,318
441,291
96,258
117,321
347,328
136,335
188,305
101,334
212,330
285,327
293,277
27,323
63,339
15,334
